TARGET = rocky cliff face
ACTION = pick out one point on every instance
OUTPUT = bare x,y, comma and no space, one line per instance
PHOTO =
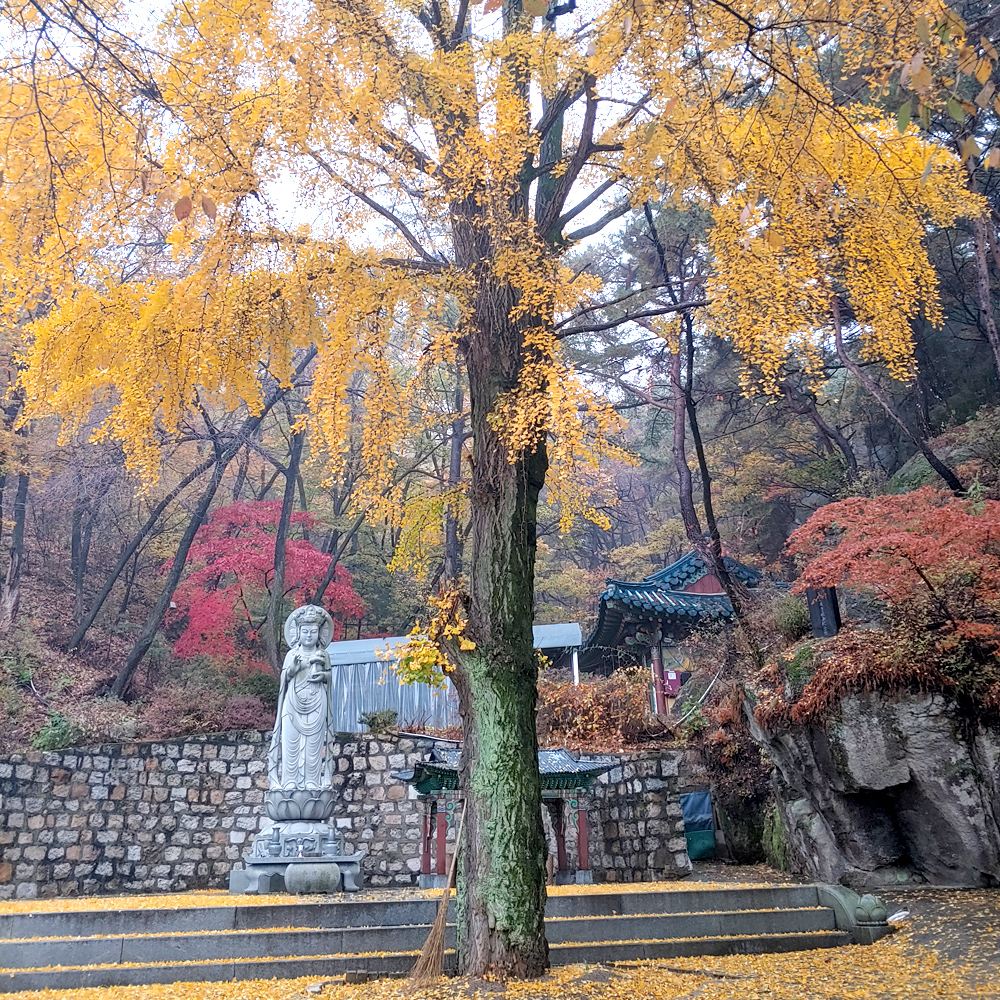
892,789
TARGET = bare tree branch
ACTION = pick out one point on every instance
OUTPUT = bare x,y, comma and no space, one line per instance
376,207
631,317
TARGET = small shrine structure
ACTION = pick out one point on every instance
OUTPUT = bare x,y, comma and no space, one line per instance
637,621
565,781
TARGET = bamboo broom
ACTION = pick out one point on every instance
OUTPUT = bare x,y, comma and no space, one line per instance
430,964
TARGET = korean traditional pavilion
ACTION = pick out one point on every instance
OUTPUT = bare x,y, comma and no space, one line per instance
636,620
565,780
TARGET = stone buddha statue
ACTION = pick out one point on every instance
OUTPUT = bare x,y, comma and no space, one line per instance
299,754
301,851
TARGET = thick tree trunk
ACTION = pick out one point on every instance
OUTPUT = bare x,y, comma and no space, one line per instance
805,406
220,461
954,483
82,533
709,546
76,546
733,588
682,394
280,547
129,582
344,539
685,488
303,500
502,881
243,467
10,595
985,293
266,488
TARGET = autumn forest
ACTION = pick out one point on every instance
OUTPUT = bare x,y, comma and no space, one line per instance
445,312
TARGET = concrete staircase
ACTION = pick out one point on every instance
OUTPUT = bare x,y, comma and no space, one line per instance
371,938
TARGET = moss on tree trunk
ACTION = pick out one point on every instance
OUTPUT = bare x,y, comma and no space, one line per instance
502,873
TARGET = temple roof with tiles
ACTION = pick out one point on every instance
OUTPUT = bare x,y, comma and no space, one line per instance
669,602
559,770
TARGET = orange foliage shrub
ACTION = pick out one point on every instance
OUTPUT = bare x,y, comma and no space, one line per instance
182,709
603,713
929,555
862,660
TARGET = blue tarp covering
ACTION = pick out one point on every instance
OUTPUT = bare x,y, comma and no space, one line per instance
699,828
697,810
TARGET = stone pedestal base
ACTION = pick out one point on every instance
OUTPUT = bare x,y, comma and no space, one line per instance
298,876
299,857
296,839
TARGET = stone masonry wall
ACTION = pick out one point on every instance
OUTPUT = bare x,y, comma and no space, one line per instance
636,827
178,815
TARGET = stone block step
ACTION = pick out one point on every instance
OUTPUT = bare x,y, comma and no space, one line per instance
375,937
213,947
217,946
327,967
658,926
737,944
398,963
195,920
381,913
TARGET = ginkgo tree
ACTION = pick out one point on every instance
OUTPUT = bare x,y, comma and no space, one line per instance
351,177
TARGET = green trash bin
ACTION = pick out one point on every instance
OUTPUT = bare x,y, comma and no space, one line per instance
701,845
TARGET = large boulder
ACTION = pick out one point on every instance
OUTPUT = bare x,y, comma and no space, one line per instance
889,790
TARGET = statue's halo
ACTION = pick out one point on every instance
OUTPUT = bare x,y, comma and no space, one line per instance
313,613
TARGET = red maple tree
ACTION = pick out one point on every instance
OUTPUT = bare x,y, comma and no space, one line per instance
933,559
927,554
223,599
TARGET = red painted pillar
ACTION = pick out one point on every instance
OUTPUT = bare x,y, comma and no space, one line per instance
583,837
425,841
442,842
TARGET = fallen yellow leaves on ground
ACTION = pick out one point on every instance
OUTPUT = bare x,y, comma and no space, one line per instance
948,949
219,897
164,901
896,968
890,970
